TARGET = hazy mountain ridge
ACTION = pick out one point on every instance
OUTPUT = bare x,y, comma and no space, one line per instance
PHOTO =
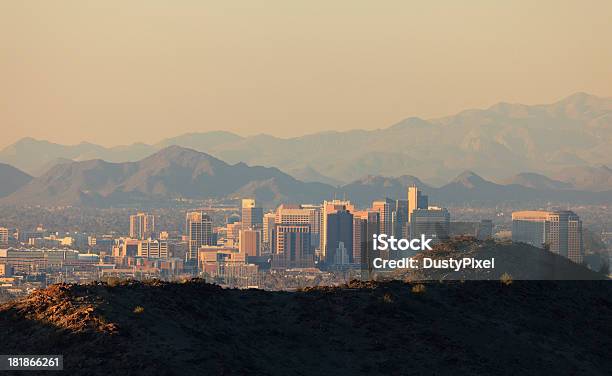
499,141
173,172
467,187
177,172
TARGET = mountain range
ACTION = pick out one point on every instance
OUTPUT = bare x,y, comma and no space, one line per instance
565,140
468,188
172,173
181,173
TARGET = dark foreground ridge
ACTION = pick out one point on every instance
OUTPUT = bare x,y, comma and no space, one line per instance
194,328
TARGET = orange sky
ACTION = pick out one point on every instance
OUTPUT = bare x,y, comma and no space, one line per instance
117,72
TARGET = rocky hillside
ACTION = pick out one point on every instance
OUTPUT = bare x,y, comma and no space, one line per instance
470,328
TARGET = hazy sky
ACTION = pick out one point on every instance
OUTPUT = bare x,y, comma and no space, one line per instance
117,72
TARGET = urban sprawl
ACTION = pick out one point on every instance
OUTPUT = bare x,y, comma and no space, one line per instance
290,247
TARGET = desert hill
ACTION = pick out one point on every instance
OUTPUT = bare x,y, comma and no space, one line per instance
193,328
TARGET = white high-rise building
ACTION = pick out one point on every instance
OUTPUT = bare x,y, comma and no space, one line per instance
142,226
301,215
199,232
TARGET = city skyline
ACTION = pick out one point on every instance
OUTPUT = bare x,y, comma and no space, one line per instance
333,236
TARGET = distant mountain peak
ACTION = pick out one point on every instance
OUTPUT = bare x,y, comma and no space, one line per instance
584,104
25,142
410,122
468,174
507,108
27,139
469,179
175,151
579,97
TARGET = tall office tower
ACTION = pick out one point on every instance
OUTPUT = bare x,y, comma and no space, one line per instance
142,226
575,242
292,248
366,223
330,207
198,226
292,214
315,223
252,216
339,238
560,231
289,214
250,242
433,222
269,220
416,200
4,237
153,249
385,208
400,219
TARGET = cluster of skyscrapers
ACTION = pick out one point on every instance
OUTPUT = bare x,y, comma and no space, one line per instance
332,235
